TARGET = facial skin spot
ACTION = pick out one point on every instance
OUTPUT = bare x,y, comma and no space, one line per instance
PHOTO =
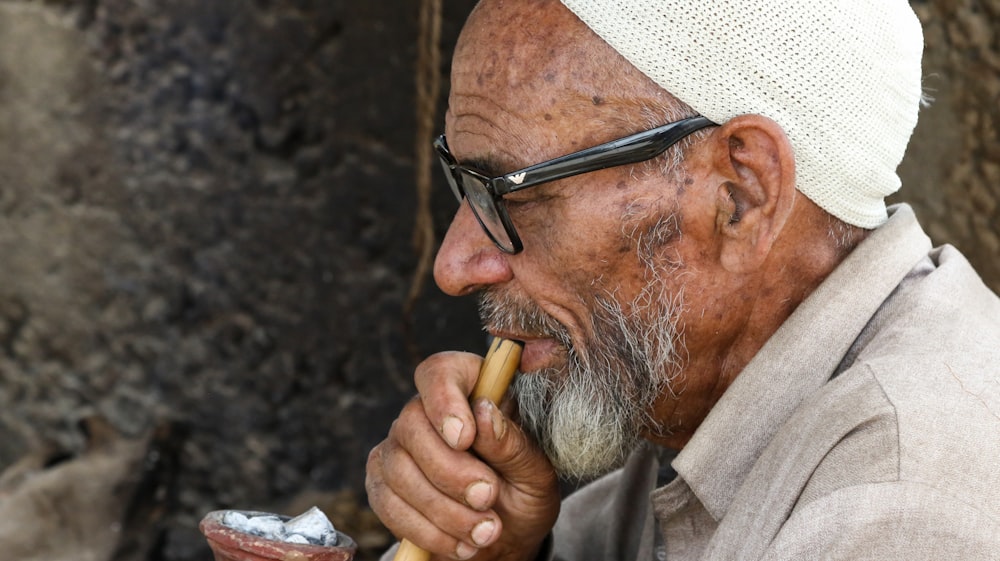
598,100
683,185
548,116
625,247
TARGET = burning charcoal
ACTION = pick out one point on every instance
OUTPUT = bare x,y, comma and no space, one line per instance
236,536
266,526
310,527
314,526
236,521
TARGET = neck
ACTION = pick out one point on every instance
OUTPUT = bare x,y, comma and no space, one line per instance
760,305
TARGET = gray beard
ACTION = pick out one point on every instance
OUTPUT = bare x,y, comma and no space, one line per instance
590,413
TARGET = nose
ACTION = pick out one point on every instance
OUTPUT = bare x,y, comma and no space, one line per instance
468,260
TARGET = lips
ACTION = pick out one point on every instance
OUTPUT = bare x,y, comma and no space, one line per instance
538,353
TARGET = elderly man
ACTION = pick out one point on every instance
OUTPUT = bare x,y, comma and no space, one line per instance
678,206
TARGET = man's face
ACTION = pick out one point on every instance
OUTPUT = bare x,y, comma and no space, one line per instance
590,410
597,292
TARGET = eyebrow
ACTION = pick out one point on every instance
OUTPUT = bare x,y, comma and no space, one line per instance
487,165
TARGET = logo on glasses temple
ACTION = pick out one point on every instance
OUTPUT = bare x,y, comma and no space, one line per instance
517,178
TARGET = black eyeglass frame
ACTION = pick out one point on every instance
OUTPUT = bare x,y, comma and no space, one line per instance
631,149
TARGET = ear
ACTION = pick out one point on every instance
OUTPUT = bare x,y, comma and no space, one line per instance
755,167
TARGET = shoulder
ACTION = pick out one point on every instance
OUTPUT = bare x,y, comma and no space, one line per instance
910,467
922,389
896,520
924,419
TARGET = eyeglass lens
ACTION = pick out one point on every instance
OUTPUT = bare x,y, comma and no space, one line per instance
486,210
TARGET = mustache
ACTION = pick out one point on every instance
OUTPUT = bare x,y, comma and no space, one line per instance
503,311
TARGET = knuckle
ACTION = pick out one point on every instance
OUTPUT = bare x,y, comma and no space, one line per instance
414,409
374,491
371,488
374,458
446,363
431,366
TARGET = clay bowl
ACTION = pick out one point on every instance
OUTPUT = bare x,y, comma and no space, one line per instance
232,545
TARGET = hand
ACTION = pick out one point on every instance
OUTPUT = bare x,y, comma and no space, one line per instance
461,480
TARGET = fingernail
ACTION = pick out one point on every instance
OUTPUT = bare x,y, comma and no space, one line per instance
464,551
483,532
499,422
452,431
478,495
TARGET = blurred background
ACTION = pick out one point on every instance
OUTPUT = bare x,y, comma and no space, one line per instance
214,219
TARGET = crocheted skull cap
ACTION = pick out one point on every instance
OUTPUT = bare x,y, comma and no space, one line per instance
841,77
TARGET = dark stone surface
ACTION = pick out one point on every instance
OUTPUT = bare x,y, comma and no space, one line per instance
207,220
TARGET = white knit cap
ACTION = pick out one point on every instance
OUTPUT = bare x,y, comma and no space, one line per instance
841,77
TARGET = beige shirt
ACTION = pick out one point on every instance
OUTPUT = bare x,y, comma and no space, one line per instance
868,427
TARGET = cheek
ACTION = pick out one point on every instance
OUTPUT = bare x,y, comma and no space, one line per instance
594,234
615,234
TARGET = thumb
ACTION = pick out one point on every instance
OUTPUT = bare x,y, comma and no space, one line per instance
528,498
514,455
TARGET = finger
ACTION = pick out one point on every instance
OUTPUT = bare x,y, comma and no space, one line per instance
514,455
400,518
419,512
459,475
529,498
444,382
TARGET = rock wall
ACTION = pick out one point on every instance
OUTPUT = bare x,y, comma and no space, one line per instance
951,173
206,213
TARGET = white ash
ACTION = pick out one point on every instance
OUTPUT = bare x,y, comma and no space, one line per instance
311,527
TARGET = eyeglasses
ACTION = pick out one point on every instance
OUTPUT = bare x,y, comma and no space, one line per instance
485,194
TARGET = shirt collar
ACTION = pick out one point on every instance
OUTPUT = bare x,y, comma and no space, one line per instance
799,358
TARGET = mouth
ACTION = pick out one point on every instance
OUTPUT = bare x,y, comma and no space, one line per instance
538,352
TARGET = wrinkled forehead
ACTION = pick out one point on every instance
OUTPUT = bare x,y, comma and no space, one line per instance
540,51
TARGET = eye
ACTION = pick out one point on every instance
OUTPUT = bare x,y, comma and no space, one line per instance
526,199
